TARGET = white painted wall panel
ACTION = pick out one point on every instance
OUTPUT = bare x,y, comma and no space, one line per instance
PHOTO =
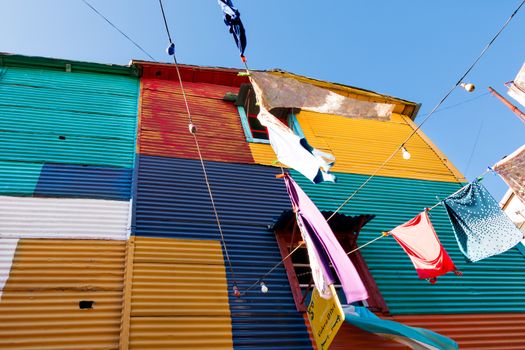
29,217
7,253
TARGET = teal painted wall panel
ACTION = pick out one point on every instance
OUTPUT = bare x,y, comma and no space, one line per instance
18,179
76,117
496,284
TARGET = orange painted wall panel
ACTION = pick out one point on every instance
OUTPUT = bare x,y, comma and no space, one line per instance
40,307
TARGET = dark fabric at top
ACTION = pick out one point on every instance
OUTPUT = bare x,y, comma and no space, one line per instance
232,18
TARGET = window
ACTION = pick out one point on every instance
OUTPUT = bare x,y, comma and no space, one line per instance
248,110
346,229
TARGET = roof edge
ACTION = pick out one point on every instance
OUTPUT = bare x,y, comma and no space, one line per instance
14,60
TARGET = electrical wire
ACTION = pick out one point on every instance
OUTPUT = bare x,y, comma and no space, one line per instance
458,104
487,46
193,131
473,147
118,29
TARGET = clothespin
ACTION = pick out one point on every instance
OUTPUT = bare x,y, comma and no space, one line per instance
243,74
243,58
281,176
385,233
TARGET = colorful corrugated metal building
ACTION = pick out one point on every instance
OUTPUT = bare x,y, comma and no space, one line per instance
85,145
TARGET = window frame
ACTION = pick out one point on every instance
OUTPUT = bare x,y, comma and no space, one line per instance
292,122
348,240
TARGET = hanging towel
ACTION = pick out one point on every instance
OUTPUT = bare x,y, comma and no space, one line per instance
273,91
517,87
512,171
295,152
482,229
419,240
413,337
232,18
312,224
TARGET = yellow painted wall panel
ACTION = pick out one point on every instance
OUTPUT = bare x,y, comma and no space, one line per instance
179,297
40,303
360,146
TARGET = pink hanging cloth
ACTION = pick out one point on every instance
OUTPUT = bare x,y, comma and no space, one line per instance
419,240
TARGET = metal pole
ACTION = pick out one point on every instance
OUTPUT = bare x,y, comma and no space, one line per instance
506,102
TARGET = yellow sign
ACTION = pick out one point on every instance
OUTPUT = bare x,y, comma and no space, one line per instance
326,317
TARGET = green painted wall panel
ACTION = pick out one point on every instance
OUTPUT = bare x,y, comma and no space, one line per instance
96,113
496,284
18,179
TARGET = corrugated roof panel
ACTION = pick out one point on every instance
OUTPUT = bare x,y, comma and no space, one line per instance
172,201
40,308
26,217
496,284
164,123
179,295
66,180
18,178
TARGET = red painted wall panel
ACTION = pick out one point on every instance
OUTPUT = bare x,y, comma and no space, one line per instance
470,331
164,122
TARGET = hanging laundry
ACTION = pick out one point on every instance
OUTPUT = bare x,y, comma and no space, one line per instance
312,224
419,240
517,87
482,229
295,152
413,337
512,171
319,264
232,18
273,91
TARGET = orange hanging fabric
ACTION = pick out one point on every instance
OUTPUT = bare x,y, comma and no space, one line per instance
419,240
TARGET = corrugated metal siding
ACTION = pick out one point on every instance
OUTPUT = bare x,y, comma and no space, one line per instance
25,217
172,201
179,295
164,122
67,180
471,331
96,113
494,285
475,331
7,254
40,305
361,146
18,179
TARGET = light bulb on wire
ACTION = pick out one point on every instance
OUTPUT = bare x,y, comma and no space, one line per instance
406,154
264,288
469,87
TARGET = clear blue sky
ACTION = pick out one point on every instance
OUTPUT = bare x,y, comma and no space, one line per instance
414,50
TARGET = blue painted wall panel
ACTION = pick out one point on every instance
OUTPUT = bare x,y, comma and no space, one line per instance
67,180
172,201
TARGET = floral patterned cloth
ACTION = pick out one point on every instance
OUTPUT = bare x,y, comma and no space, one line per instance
482,229
512,171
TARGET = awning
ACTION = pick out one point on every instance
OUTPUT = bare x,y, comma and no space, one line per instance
413,337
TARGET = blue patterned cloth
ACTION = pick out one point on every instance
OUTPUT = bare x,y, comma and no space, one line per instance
482,229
